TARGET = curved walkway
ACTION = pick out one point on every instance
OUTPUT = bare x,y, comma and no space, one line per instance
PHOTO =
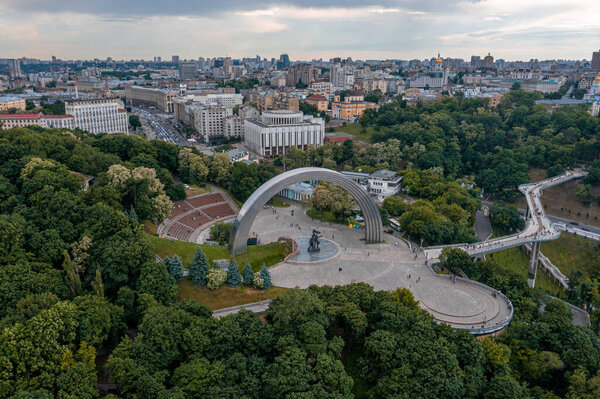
463,304
538,226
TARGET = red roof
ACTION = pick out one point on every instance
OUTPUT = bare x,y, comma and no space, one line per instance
316,97
21,116
120,110
58,116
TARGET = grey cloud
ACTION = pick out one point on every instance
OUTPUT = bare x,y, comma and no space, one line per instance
204,7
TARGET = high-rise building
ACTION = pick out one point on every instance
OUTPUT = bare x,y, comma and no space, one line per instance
279,130
341,75
54,59
175,59
488,61
188,69
157,58
301,73
284,61
476,61
99,115
596,60
14,67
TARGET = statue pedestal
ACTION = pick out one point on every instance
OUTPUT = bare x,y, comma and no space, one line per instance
327,249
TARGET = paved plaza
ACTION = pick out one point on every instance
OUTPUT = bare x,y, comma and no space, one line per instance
385,266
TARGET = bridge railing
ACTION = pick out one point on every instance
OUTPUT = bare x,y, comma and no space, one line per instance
489,329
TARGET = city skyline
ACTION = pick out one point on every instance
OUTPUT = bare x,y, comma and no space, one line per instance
512,30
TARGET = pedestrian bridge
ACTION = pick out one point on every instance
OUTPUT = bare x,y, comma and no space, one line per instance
538,227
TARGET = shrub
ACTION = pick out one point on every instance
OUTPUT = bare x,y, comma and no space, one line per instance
258,282
216,278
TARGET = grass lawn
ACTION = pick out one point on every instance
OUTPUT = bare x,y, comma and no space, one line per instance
569,252
278,203
325,216
517,260
270,254
560,200
195,190
225,296
361,133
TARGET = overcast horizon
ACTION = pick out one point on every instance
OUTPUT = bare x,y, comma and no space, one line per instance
309,29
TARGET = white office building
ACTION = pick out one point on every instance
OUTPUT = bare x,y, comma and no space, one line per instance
210,121
223,100
100,115
278,130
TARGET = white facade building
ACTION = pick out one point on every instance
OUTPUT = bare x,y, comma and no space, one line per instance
382,183
281,129
8,121
223,100
210,121
100,115
234,127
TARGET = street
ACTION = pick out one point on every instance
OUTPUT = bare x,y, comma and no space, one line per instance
162,129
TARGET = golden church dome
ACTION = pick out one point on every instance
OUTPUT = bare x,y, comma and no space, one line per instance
597,78
439,60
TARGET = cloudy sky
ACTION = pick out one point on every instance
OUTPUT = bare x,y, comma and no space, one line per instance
305,29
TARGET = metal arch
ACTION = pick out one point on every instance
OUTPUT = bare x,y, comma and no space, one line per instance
258,199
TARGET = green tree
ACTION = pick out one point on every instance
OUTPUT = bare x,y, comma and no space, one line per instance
506,217
134,122
266,276
233,274
175,268
248,274
199,267
583,193
155,280
455,259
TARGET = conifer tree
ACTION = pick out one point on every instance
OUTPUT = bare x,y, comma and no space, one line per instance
248,274
175,268
233,275
199,267
266,276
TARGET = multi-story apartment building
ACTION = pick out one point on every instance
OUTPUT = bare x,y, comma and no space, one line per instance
321,88
154,97
320,102
99,115
8,121
301,73
277,131
209,122
9,102
14,69
188,69
342,76
234,127
596,61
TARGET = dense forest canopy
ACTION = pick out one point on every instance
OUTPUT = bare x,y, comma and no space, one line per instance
81,293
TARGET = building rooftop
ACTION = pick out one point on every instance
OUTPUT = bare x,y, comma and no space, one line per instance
316,97
384,174
9,98
562,101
